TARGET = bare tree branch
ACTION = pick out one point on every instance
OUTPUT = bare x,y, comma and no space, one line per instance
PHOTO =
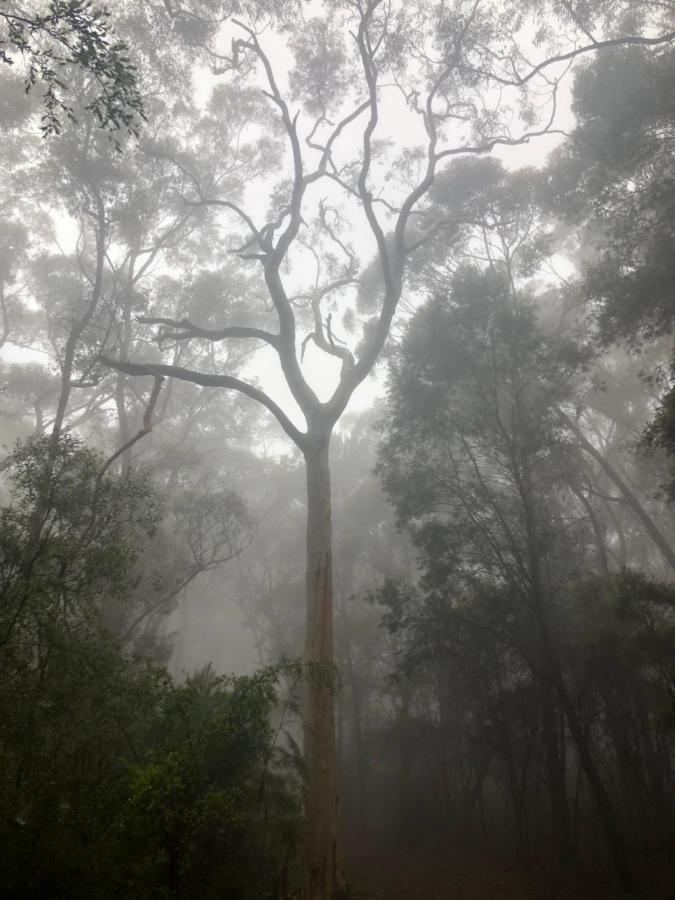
328,146
522,80
505,140
204,379
228,204
370,75
184,329
290,126
145,429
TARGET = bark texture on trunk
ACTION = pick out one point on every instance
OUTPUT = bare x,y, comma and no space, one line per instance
324,876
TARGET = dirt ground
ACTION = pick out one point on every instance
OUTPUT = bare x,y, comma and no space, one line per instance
449,875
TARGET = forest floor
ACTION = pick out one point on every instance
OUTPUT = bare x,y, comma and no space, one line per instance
428,874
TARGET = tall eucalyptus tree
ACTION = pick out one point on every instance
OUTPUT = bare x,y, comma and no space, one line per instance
443,81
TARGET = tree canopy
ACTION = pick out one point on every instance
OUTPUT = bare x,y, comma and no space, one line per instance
468,646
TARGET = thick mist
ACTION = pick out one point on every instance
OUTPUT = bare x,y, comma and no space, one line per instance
337,554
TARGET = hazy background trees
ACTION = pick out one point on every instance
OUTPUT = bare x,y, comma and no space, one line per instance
503,541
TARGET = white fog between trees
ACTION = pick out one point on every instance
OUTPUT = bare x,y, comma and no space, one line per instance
337,408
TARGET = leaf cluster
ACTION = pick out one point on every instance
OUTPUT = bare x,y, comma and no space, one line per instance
73,34
116,781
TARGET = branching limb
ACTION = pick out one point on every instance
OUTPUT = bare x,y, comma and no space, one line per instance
228,204
185,330
522,80
370,74
632,501
327,343
332,234
290,126
578,21
439,225
505,140
162,242
433,157
326,149
274,254
145,429
81,324
205,379
256,233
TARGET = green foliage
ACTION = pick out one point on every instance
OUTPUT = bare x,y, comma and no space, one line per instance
73,34
474,393
615,175
660,435
517,610
115,781
211,799
68,539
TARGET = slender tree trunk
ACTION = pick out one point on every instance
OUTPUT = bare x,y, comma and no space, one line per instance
120,386
632,501
405,748
552,741
597,529
613,834
553,674
517,787
359,748
66,378
655,775
123,421
324,877
615,840
556,777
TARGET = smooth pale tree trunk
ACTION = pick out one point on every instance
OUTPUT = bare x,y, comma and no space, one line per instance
324,877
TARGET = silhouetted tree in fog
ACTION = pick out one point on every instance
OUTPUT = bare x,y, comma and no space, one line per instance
442,62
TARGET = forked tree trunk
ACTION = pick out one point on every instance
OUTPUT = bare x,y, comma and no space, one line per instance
324,876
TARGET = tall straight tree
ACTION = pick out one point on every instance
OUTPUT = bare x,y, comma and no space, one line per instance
434,80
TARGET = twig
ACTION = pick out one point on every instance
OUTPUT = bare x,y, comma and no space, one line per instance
146,428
